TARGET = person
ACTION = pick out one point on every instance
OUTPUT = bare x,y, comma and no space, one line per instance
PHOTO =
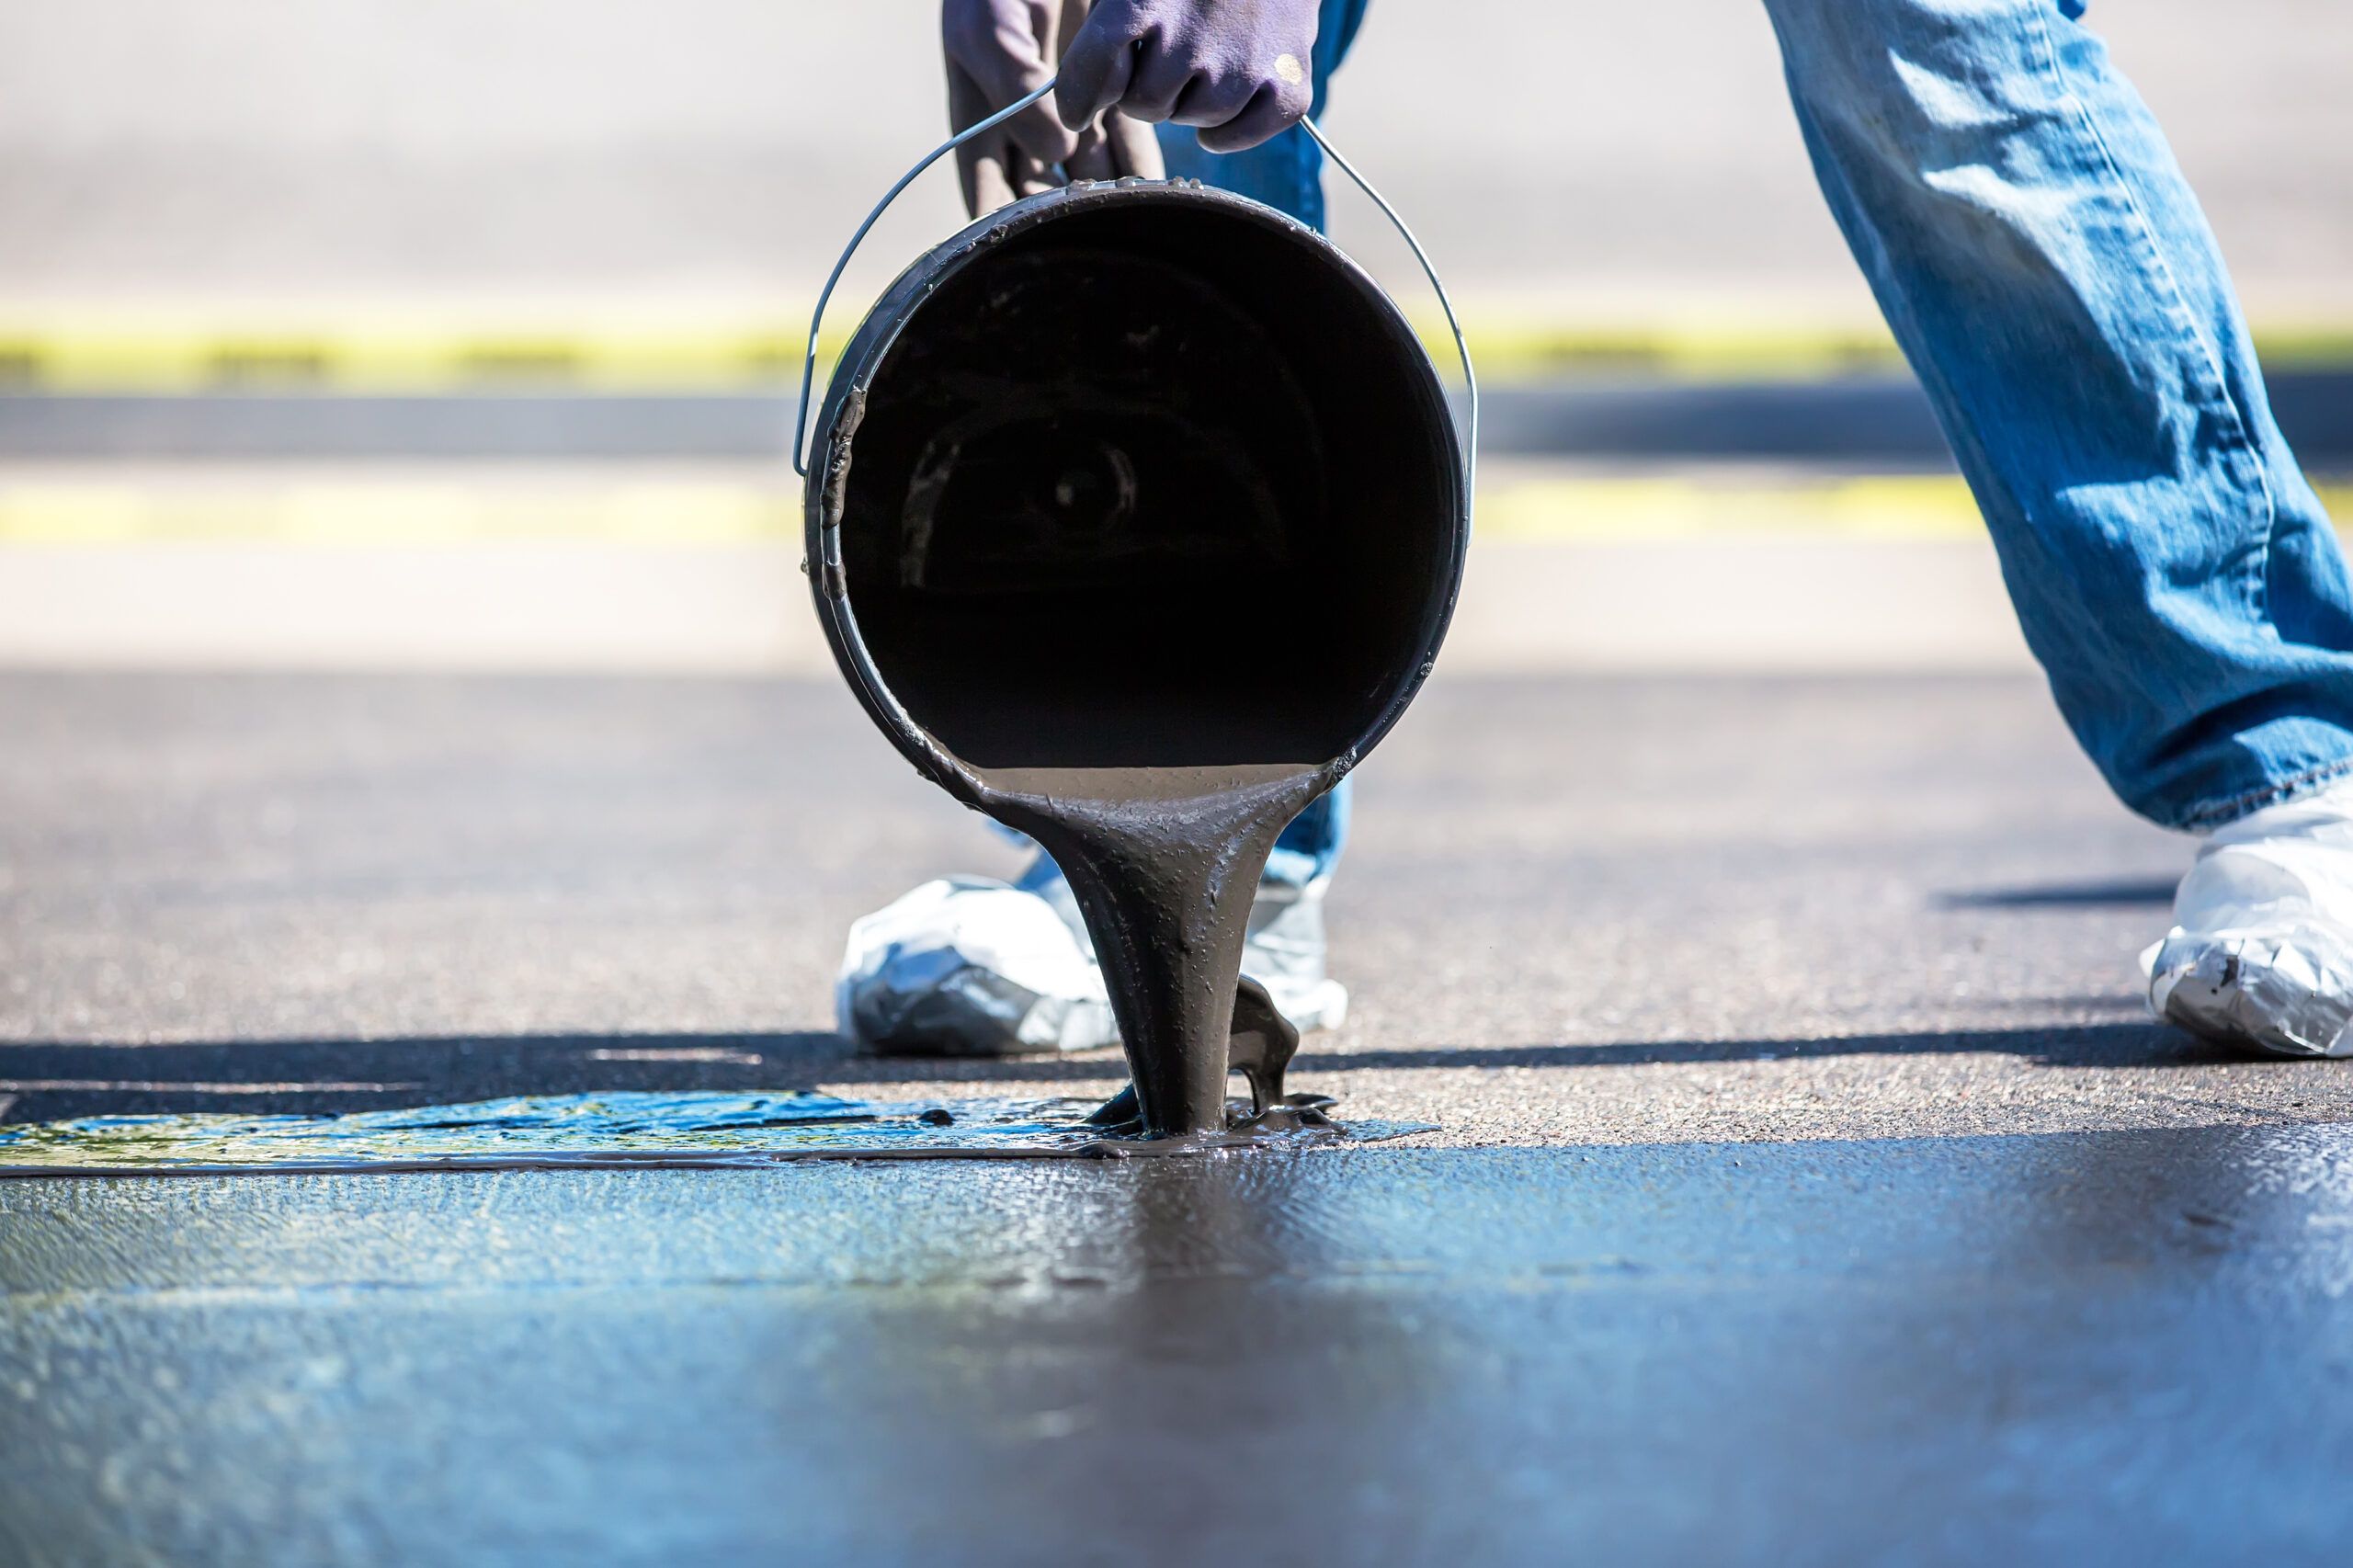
2047,271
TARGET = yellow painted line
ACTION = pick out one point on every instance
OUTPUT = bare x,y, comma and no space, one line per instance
1614,510
1591,509
103,358
1508,351
397,512
378,513
160,353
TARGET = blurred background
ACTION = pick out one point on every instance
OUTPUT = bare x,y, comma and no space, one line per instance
463,332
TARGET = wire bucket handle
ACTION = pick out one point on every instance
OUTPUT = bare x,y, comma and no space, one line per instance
809,361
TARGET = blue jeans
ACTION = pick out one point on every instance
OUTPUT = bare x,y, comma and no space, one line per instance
2052,279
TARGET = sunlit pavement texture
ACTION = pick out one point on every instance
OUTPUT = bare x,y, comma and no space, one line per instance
1808,1187
2126,1347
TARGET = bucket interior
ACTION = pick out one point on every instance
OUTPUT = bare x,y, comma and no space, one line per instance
1149,483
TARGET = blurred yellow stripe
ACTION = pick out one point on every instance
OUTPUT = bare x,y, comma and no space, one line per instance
160,353
1507,351
374,513
1579,509
103,358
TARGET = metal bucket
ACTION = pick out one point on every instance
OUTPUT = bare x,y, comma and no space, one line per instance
1137,475
1134,474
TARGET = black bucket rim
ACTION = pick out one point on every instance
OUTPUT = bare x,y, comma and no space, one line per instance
841,412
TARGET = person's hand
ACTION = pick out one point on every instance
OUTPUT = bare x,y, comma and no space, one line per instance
1241,70
1000,51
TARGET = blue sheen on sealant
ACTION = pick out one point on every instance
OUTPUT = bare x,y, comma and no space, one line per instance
628,1128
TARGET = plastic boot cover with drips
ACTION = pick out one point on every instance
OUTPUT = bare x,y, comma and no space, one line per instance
2261,951
971,966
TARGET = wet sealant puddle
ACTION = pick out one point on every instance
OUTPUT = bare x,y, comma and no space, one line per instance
623,1129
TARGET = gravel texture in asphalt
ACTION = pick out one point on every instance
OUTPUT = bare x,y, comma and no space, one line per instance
2073,1349
1576,912
1809,1186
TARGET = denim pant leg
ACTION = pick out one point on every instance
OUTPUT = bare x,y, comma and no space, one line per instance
1285,171
2048,273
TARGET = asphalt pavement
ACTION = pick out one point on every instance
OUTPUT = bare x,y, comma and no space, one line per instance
2072,1348
1807,1182
1877,422
1578,910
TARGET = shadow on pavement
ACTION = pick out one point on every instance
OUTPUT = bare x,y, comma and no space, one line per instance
2065,895
2146,1044
56,1079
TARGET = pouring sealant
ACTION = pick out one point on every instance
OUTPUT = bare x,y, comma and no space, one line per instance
1139,517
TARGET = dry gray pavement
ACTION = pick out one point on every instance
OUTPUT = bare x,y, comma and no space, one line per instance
1807,1186
1584,152
1579,911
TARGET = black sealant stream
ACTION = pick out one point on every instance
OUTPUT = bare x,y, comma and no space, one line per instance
1165,863
1139,517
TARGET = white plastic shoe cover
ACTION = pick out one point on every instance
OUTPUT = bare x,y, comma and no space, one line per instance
1282,949
969,966
2261,951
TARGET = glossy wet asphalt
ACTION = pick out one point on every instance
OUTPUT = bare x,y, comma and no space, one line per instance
1807,1187
2123,1346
